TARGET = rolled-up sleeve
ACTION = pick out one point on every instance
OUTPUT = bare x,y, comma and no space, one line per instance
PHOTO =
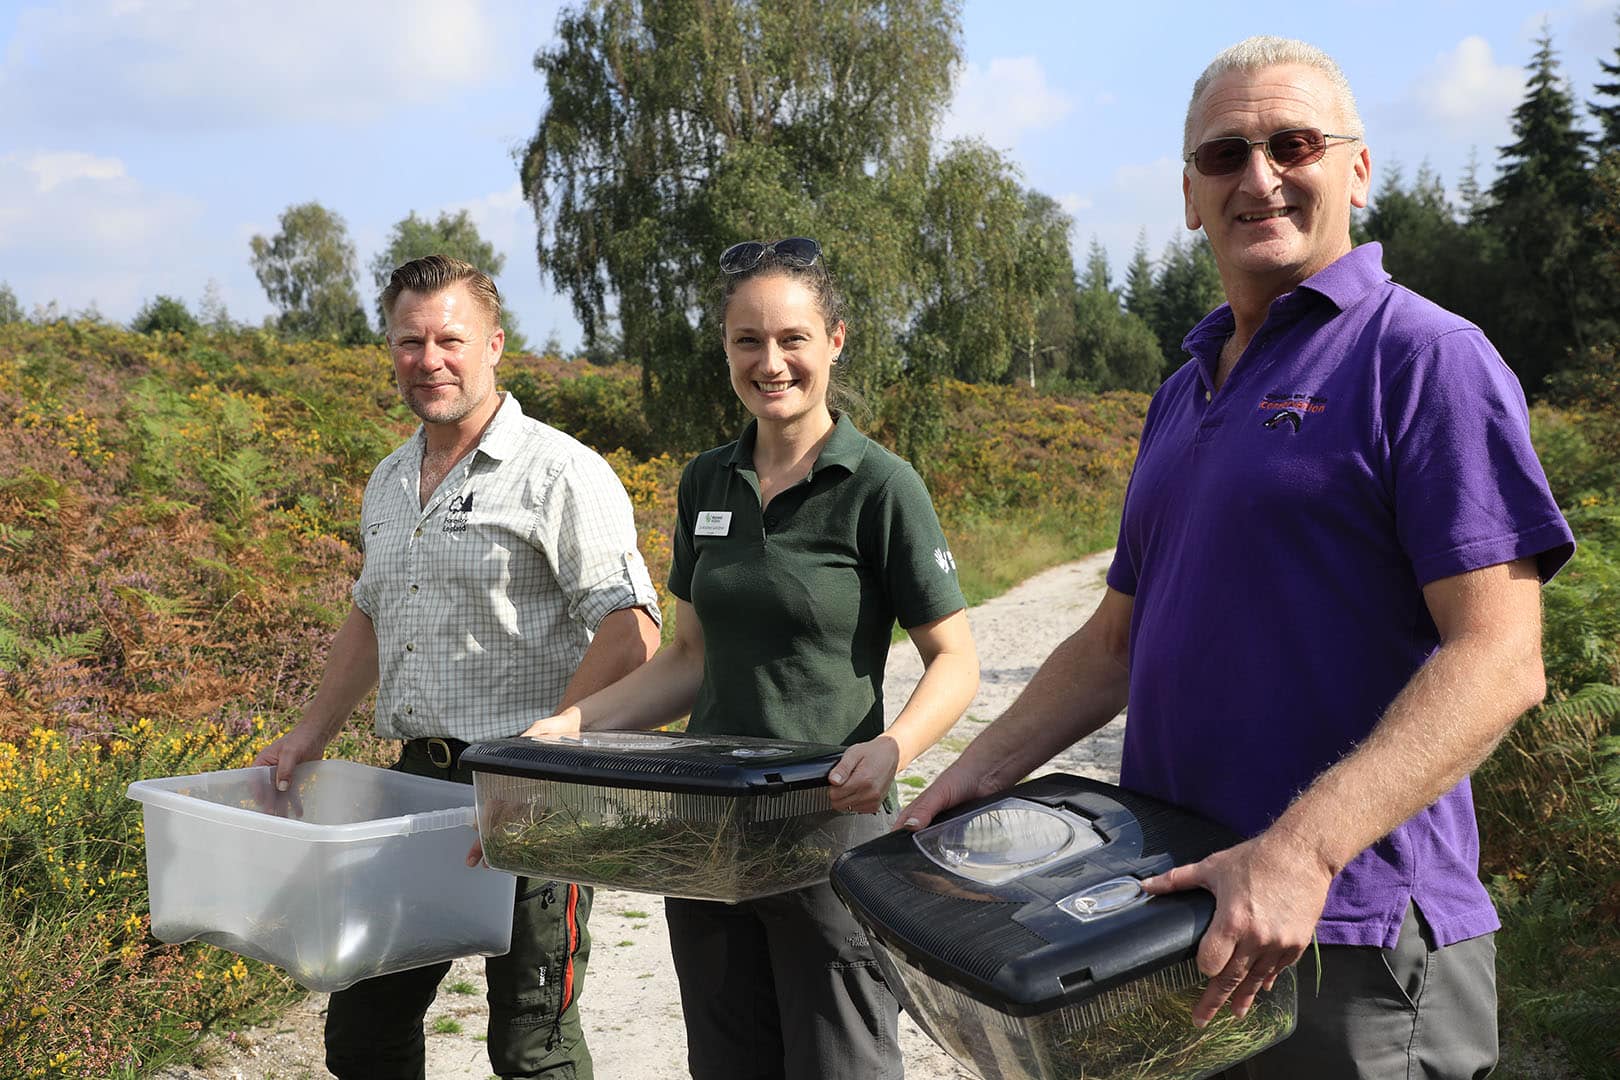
587,530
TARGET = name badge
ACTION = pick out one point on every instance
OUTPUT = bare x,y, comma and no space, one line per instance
713,523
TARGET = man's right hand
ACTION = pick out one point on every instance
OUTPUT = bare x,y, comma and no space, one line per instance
950,788
289,751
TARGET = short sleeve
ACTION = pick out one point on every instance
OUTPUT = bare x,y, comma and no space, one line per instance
1467,487
684,554
915,561
1123,570
364,590
587,529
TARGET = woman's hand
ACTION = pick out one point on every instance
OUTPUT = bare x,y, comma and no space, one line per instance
564,723
861,779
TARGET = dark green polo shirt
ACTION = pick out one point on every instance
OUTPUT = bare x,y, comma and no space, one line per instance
798,601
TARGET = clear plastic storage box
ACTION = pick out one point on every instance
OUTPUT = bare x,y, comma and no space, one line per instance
707,817
352,872
1016,933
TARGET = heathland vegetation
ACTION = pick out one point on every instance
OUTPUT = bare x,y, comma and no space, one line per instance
177,536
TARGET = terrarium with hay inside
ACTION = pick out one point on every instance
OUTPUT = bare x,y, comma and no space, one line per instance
707,817
1016,932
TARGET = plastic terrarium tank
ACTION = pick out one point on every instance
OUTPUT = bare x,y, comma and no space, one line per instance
702,816
1015,931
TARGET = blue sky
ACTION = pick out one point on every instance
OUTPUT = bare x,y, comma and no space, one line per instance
143,142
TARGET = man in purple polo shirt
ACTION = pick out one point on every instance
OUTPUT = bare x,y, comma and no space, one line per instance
1324,606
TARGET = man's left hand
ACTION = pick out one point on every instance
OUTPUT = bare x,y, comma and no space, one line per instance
1269,894
861,779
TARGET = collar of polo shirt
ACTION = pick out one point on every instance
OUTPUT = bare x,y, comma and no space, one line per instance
844,448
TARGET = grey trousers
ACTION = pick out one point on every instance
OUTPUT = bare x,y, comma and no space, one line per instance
1414,1012
783,988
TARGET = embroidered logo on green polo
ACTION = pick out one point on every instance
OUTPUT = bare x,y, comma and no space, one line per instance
946,561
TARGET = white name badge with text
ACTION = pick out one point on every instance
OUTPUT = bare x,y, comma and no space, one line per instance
713,523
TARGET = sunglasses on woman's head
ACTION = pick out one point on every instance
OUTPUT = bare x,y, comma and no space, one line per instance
794,251
1229,154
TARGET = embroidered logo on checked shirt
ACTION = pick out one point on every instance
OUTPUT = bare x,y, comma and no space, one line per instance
1289,410
457,513
946,561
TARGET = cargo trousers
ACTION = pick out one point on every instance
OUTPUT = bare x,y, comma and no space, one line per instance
374,1028
1414,1012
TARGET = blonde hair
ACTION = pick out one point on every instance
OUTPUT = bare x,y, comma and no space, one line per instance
1264,51
432,274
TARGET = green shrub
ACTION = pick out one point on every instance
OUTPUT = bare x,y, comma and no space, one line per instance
1549,797
164,315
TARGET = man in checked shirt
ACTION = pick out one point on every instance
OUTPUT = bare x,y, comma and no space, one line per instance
501,582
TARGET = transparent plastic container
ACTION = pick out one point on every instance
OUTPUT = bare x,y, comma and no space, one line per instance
1140,1031
352,872
1017,934
704,817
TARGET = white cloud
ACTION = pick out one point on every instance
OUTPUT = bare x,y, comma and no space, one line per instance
1138,196
1002,100
1074,202
504,220
1467,92
199,64
54,169
88,232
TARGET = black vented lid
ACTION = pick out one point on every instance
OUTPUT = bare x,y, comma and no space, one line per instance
1029,901
661,761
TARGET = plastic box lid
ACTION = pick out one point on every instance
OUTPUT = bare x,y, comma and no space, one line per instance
1031,901
354,802
734,765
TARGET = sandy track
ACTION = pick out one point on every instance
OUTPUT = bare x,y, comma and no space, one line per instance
630,1003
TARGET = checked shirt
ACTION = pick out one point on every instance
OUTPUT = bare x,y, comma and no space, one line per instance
485,599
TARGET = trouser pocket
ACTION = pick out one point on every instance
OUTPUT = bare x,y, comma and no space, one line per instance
534,989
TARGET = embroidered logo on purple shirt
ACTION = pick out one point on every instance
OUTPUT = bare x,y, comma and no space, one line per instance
1290,409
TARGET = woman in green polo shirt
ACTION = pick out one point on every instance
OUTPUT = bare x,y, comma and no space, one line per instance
798,547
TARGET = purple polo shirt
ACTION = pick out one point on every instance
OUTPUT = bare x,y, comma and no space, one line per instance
1276,537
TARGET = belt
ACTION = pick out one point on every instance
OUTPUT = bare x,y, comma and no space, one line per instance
443,753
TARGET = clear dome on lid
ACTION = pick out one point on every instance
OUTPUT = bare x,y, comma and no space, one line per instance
1006,840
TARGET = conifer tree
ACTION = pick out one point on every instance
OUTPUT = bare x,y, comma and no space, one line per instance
1538,210
1608,115
1189,288
1141,294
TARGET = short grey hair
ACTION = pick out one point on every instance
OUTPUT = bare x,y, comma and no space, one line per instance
1264,51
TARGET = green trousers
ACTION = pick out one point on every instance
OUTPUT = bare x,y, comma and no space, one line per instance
374,1028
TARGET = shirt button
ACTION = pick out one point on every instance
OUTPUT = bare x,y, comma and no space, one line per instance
409,647
414,586
409,709
1206,395
418,531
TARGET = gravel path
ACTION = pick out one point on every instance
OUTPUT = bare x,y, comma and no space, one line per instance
631,1005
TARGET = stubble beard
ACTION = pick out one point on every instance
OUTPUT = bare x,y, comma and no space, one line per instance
446,412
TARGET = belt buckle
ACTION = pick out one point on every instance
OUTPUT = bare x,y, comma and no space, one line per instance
435,747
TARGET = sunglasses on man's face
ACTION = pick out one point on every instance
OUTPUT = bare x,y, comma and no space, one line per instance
1229,154
794,251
